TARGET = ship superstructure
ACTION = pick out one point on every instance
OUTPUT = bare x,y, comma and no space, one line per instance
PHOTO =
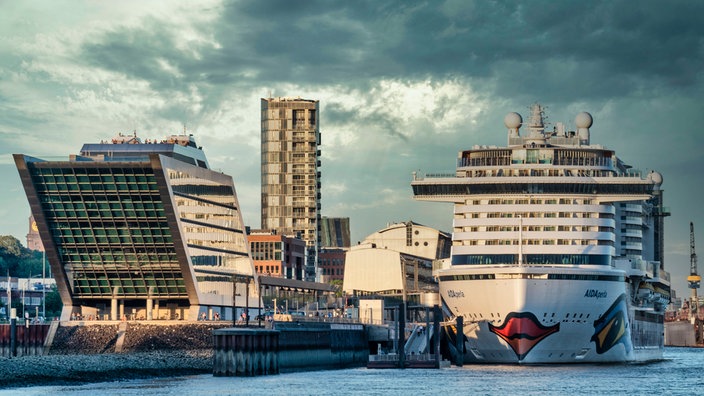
557,248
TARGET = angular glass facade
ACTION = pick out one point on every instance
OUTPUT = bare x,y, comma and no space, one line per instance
144,231
109,228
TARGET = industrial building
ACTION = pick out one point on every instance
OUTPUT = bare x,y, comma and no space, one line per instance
396,261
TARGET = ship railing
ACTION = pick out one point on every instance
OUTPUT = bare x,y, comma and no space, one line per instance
393,357
422,176
324,319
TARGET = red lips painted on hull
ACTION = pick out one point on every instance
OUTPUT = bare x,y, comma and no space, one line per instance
522,331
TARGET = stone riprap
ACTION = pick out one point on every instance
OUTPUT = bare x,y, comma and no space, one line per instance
86,353
69,369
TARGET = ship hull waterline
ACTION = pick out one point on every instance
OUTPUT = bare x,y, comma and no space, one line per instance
550,314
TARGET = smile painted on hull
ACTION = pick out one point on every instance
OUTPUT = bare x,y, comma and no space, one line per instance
522,331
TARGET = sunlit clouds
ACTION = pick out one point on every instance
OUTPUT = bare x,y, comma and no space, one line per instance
403,86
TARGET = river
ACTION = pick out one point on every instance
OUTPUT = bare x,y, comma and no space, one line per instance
680,373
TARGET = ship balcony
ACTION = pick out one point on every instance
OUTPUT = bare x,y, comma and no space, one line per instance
633,208
632,234
614,187
632,220
632,246
664,211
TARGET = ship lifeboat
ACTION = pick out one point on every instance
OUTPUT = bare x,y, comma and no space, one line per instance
645,291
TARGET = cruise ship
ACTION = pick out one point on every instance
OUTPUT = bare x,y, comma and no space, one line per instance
557,249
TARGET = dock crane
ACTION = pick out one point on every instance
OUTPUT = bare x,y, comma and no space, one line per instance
694,279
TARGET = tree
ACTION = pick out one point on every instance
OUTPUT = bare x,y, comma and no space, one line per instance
18,260
338,287
10,245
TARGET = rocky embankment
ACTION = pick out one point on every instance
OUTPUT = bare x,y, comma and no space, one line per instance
87,354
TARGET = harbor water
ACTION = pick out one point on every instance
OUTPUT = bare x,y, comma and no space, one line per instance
680,373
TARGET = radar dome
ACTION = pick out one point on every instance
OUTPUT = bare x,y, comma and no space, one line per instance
513,120
583,120
655,177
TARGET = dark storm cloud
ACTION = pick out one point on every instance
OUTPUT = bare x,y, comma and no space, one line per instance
601,47
593,48
134,53
308,42
351,118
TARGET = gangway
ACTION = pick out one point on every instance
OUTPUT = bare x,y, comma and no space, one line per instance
419,340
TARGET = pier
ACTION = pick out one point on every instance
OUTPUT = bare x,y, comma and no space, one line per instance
420,350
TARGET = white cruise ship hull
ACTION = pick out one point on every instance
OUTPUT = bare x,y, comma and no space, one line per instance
550,314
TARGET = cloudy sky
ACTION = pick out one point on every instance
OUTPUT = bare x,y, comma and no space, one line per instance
403,86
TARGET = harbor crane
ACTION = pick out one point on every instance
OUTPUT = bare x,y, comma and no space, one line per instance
694,279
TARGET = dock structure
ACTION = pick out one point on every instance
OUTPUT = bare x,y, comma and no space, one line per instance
22,339
290,346
420,350
245,352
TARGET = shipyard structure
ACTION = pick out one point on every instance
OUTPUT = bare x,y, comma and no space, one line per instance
141,230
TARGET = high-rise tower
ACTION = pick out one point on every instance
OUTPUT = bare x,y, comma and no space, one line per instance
290,172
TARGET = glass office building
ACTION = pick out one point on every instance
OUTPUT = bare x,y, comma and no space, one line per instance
141,230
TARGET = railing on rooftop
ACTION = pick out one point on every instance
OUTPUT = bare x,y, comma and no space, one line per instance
600,162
